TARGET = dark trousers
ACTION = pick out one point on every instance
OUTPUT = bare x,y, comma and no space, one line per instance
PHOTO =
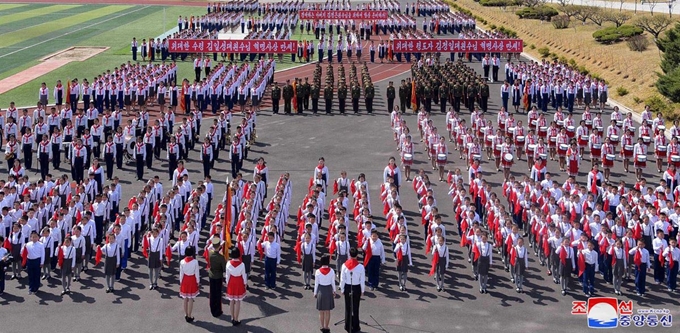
99,224
28,156
588,279
270,272
78,169
56,157
390,104
352,301
329,105
315,105
671,275
172,165
235,165
108,158
33,269
658,269
216,297
275,105
119,155
149,155
140,167
640,275
373,271
207,165
44,165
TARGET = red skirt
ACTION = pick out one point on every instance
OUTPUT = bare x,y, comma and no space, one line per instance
405,162
661,153
236,289
607,163
189,287
640,165
507,164
497,153
594,152
441,162
582,143
628,153
561,153
573,167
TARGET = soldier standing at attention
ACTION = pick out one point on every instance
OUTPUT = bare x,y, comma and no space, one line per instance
391,94
403,95
369,93
356,94
134,47
471,96
457,96
287,96
328,96
342,95
443,95
484,95
298,95
276,96
305,94
314,93
427,96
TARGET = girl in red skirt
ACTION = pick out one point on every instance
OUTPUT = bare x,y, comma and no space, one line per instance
237,280
188,280
574,159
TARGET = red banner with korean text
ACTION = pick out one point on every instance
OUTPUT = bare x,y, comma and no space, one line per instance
231,46
459,45
343,14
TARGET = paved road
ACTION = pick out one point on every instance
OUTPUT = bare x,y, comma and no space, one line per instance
293,144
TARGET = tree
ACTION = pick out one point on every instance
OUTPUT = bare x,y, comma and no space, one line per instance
598,16
618,18
570,10
532,3
584,13
651,4
654,25
669,81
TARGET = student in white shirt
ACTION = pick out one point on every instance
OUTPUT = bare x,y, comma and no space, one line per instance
642,263
34,254
402,251
272,253
590,257
324,292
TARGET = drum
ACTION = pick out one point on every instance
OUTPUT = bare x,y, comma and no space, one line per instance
543,129
534,123
619,123
511,130
631,129
661,128
610,157
614,138
507,161
489,140
661,148
543,156
600,129
597,146
564,147
628,147
560,123
589,122
661,151
553,139
571,129
477,157
441,157
530,149
646,139
649,122
519,138
585,138
408,157
641,158
675,158
130,145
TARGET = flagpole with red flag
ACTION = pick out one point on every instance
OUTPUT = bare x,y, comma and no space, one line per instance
414,104
226,234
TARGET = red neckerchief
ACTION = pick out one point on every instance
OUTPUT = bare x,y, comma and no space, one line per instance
260,167
351,263
188,259
16,169
235,262
325,269
392,169
320,167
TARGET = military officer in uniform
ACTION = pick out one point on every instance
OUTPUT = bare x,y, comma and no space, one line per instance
314,93
276,96
369,93
443,96
484,95
457,95
427,96
328,96
287,97
356,94
305,94
403,95
342,95
299,96
391,94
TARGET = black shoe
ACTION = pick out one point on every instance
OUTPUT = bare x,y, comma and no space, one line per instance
108,291
191,319
186,318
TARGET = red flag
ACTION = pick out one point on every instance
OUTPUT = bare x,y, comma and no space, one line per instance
637,232
68,92
332,248
311,182
637,259
414,99
368,253
428,244
475,252
335,187
563,256
435,262
353,186
145,247
168,254
24,256
206,256
513,256
671,263
546,246
581,264
509,243
60,256
98,256
7,245
260,250
298,250
612,253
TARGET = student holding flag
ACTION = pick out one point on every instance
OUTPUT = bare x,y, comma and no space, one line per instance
642,262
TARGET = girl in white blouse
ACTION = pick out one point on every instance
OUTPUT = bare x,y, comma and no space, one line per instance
236,280
324,292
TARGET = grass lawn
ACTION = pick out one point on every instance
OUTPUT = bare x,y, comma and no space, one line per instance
634,71
141,22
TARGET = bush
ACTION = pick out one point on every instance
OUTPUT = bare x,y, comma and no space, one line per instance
492,27
498,3
560,21
637,100
596,76
612,35
563,60
583,70
537,13
544,52
668,85
638,43
554,56
621,91
659,104
532,46
573,63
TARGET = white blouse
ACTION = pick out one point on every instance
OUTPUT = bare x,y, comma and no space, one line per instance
321,279
189,268
239,270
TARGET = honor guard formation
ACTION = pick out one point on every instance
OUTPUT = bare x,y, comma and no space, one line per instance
66,214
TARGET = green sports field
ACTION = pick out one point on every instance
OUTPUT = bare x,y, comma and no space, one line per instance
29,32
